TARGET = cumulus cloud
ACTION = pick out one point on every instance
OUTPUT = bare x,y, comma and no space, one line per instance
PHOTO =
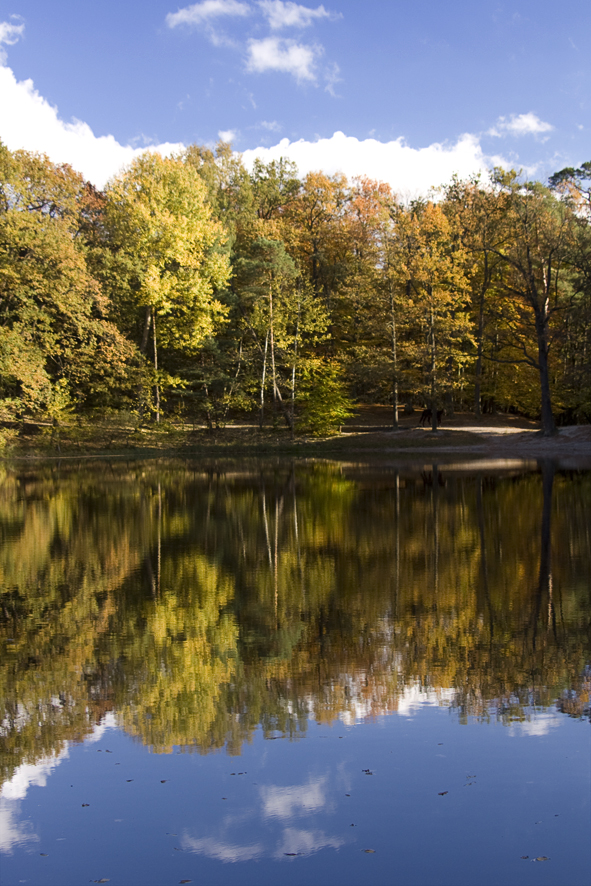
28,121
282,14
287,56
286,802
202,13
410,171
520,124
227,135
9,34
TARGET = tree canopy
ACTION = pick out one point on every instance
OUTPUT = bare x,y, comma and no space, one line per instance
194,287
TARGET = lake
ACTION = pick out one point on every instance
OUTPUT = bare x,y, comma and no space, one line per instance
277,672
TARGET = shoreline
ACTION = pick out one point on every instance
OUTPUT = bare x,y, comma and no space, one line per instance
475,442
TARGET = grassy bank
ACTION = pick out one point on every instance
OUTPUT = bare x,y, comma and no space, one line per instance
368,433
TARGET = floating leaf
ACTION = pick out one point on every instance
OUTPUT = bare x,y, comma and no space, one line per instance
347,795
185,881
541,858
103,880
524,857
443,793
128,780
44,854
369,850
163,780
290,853
85,804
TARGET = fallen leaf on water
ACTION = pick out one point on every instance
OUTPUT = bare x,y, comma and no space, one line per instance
525,856
290,853
103,880
347,795
176,849
185,881
443,793
86,804
44,854
369,850
541,858
107,752
163,780
128,780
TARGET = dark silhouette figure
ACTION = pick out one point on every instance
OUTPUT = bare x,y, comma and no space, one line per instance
427,415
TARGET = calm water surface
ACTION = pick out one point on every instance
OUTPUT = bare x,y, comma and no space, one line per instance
286,673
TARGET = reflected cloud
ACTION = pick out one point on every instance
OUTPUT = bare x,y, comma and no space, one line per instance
220,850
306,842
287,802
13,833
31,775
541,724
415,697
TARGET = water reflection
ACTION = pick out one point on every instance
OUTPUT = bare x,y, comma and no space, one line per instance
199,605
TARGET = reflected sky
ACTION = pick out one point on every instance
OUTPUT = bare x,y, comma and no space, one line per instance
304,673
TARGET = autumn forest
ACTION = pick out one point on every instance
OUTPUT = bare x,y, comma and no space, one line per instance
192,289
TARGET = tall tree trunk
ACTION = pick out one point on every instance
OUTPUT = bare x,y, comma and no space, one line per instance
394,366
293,375
262,413
479,350
433,403
146,331
157,387
548,424
272,343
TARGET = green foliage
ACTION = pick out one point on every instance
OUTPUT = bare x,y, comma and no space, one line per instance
323,400
193,287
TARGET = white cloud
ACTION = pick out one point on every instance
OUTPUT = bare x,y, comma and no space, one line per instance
271,125
227,135
282,14
520,124
28,121
201,13
287,56
9,34
410,171
285,802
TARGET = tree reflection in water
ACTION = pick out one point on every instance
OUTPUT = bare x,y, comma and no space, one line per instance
199,604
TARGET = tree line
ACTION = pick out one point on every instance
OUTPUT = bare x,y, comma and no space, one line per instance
191,288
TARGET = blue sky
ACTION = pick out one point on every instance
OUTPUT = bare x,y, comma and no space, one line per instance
414,90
